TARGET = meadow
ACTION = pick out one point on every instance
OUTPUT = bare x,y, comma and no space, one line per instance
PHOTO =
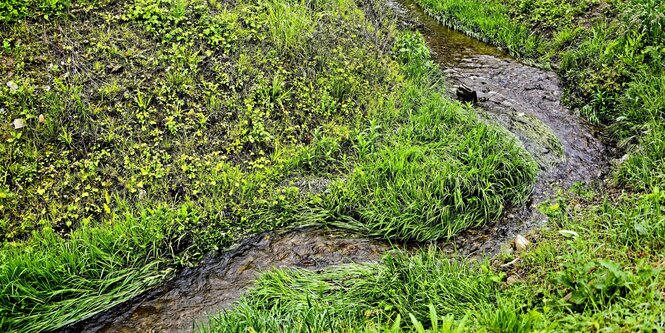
139,136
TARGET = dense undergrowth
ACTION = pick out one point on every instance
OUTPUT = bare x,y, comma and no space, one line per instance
137,136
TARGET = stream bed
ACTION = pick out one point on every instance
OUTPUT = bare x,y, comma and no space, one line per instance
524,100
527,102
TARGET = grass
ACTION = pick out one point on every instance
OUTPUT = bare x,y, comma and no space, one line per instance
156,131
488,21
598,266
48,282
440,172
344,297
608,54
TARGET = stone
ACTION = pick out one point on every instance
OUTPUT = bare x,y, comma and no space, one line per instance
18,123
12,86
521,243
466,94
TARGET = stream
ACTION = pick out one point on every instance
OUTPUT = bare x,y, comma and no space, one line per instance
527,102
524,100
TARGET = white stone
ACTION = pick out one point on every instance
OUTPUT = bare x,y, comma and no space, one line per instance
521,243
18,123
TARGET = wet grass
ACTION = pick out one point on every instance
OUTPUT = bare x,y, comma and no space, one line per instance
598,266
154,131
488,21
608,53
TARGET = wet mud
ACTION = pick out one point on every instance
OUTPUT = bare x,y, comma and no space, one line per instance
524,100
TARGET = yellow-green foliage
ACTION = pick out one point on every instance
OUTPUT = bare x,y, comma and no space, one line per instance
161,112
201,116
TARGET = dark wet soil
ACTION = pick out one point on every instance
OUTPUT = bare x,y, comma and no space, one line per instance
196,293
522,99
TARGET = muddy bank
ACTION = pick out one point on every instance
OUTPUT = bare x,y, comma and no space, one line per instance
218,281
525,101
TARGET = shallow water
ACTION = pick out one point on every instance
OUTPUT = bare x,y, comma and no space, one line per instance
527,102
196,293
522,99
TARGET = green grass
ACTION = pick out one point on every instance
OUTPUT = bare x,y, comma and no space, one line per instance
439,171
134,110
48,282
349,297
598,266
427,184
488,21
609,55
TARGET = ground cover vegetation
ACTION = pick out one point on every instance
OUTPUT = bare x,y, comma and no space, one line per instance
596,266
137,136
609,55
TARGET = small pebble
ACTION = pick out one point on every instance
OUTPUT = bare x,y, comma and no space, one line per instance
521,243
12,86
18,123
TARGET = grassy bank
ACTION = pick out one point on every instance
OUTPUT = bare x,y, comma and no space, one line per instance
609,55
596,266
137,136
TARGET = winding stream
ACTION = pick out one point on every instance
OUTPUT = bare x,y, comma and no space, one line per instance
522,99
527,102
218,281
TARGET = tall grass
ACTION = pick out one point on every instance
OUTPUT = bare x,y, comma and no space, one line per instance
596,267
50,282
356,297
421,168
441,171
289,24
